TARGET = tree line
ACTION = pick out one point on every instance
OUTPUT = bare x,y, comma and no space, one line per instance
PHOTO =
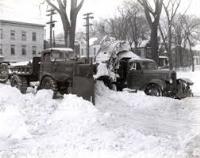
158,21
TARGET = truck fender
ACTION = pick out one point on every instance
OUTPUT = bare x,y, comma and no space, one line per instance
185,80
161,83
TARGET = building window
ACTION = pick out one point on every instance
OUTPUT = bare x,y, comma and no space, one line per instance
34,36
12,34
1,49
12,49
23,35
34,50
23,49
1,33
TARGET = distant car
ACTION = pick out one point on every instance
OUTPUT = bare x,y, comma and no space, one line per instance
143,74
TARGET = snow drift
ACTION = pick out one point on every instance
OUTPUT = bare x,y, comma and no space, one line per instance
121,125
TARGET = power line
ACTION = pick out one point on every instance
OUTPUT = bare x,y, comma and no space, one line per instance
51,23
87,17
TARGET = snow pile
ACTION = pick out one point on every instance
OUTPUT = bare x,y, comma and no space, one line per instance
103,70
11,121
23,63
121,125
172,122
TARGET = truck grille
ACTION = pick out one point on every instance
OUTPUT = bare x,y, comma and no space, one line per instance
173,76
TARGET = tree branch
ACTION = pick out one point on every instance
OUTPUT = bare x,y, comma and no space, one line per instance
79,6
53,6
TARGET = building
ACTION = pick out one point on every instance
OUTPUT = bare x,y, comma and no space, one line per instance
94,47
20,41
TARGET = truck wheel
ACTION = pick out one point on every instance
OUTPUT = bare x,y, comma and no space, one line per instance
19,82
48,83
153,90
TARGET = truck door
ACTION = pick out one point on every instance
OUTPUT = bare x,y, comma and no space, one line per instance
135,76
83,81
45,67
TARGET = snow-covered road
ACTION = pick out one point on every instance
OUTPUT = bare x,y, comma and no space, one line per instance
176,121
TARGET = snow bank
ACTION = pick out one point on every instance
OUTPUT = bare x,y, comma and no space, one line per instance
11,121
23,63
103,70
121,125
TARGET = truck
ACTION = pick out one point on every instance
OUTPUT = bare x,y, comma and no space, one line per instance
143,74
125,70
57,69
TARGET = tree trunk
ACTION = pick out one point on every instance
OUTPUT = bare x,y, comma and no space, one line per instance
66,38
169,47
154,43
191,55
72,32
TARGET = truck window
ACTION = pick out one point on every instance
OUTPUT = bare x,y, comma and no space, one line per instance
147,65
47,57
61,55
135,66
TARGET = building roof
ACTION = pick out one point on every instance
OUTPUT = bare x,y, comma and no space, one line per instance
21,23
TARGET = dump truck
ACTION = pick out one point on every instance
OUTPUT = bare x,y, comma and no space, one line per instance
57,69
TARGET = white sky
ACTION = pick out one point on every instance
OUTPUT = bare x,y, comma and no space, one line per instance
28,10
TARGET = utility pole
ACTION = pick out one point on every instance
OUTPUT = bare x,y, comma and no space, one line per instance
87,17
51,23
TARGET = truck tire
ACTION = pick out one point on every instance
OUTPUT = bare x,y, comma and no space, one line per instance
19,82
153,90
48,83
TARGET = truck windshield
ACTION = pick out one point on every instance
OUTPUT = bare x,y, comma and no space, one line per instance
148,65
61,55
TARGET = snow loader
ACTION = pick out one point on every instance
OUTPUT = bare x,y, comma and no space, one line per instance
119,68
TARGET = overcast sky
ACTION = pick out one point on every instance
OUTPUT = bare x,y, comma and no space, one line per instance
28,10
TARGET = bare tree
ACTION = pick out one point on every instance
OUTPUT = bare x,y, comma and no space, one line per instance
153,18
170,8
191,34
137,24
68,20
129,25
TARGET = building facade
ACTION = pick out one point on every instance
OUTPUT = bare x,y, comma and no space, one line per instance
20,41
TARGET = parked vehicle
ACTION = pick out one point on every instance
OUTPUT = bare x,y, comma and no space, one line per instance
56,69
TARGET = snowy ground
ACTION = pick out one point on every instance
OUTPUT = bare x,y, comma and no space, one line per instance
121,125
